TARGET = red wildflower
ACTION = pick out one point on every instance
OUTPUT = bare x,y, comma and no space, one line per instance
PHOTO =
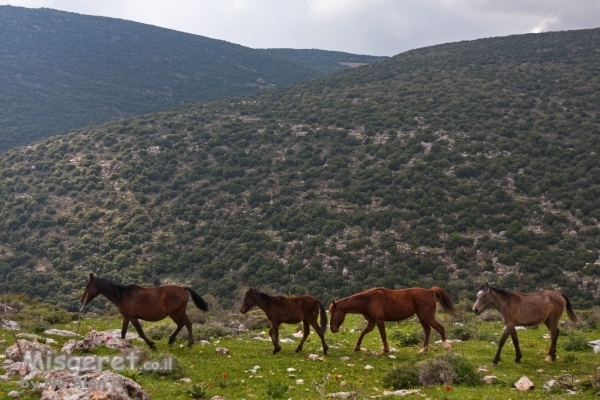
107,338
448,388
224,375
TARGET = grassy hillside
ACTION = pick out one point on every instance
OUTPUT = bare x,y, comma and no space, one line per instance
61,70
325,61
451,165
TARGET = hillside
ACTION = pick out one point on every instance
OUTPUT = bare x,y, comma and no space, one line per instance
451,165
325,61
60,71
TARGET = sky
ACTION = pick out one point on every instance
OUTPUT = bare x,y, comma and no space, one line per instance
376,27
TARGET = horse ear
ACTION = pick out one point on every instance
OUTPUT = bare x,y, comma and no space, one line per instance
91,276
487,286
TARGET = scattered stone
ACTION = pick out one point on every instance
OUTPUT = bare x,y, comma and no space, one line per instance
4,378
185,380
401,392
520,328
30,336
483,370
218,398
391,356
286,340
524,384
204,342
291,370
344,358
300,382
490,379
368,367
13,393
9,324
298,334
221,351
59,332
17,351
342,395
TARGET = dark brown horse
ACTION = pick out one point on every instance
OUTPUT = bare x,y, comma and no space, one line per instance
524,309
380,304
149,304
288,310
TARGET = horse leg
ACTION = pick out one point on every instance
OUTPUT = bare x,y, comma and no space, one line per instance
553,339
426,332
274,333
507,331
368,328
440,328
305,332
188,325
125,326
381,327
140,332
179,326
317,329
515,340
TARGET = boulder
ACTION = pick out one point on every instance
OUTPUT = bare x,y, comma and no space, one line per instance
4,309
110,339
490,379
524,384
104,385
17,351
9,324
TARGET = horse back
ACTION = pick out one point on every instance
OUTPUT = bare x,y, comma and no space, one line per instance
292,310
529,309
400,304
154,303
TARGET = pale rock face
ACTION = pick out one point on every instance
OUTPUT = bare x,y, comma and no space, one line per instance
524,384
17,351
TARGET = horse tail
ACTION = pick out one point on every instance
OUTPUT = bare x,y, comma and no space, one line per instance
323,317
570,311
445,300
198,301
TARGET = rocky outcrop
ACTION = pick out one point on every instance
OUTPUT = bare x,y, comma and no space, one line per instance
17,351
110,339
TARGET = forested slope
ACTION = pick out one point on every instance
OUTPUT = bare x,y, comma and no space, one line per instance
450,165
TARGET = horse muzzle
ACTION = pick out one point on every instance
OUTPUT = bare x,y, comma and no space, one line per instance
476,311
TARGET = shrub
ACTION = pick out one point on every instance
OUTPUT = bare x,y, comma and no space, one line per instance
159,331
207,331
462,332
436,371
408,339
576,343
465,371
404,376
277,390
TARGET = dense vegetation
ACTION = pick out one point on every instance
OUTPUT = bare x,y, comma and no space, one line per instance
60,71
325,61
451,165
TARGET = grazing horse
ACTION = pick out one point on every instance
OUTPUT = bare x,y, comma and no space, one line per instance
288,310
149,304
524,309
380,304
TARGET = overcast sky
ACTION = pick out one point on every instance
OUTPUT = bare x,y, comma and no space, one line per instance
378,27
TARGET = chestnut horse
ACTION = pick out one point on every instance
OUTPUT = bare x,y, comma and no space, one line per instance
380,304
288,310
524,309
149,304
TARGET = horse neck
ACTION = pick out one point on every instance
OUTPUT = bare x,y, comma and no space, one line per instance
261,300
352,304
499,302
111,296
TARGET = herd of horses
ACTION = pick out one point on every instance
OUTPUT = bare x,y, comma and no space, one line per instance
376,305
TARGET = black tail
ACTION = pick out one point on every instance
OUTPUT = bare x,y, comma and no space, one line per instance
198,301
323,317
570,311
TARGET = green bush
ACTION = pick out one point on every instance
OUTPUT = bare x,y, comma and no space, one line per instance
465,371
436,371
576,343
404,376
408,339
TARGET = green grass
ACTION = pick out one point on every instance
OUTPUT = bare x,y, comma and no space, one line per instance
230,375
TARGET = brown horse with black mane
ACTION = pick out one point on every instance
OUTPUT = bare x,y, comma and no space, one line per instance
524,309
380,304
149,304
288,310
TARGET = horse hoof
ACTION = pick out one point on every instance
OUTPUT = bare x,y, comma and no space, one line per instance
549,359
357,349
494,364
424,350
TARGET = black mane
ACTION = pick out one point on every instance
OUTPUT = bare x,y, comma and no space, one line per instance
497,290
112,289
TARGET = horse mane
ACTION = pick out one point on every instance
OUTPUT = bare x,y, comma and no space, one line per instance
111,288
498,290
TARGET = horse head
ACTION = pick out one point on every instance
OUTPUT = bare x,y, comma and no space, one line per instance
248,301
336,316
91,291
484,299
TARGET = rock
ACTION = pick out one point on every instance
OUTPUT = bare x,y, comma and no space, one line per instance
490,379
13,393
4,378
59,332
185,380
17,351
300,382
221,351
401,392
115,387
298,334
345,358
291,370
110,339
218,398
524,384
204,342
368,367
483,370
9,324
392,357
4,309
313,357
287,340
30,336
342,395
